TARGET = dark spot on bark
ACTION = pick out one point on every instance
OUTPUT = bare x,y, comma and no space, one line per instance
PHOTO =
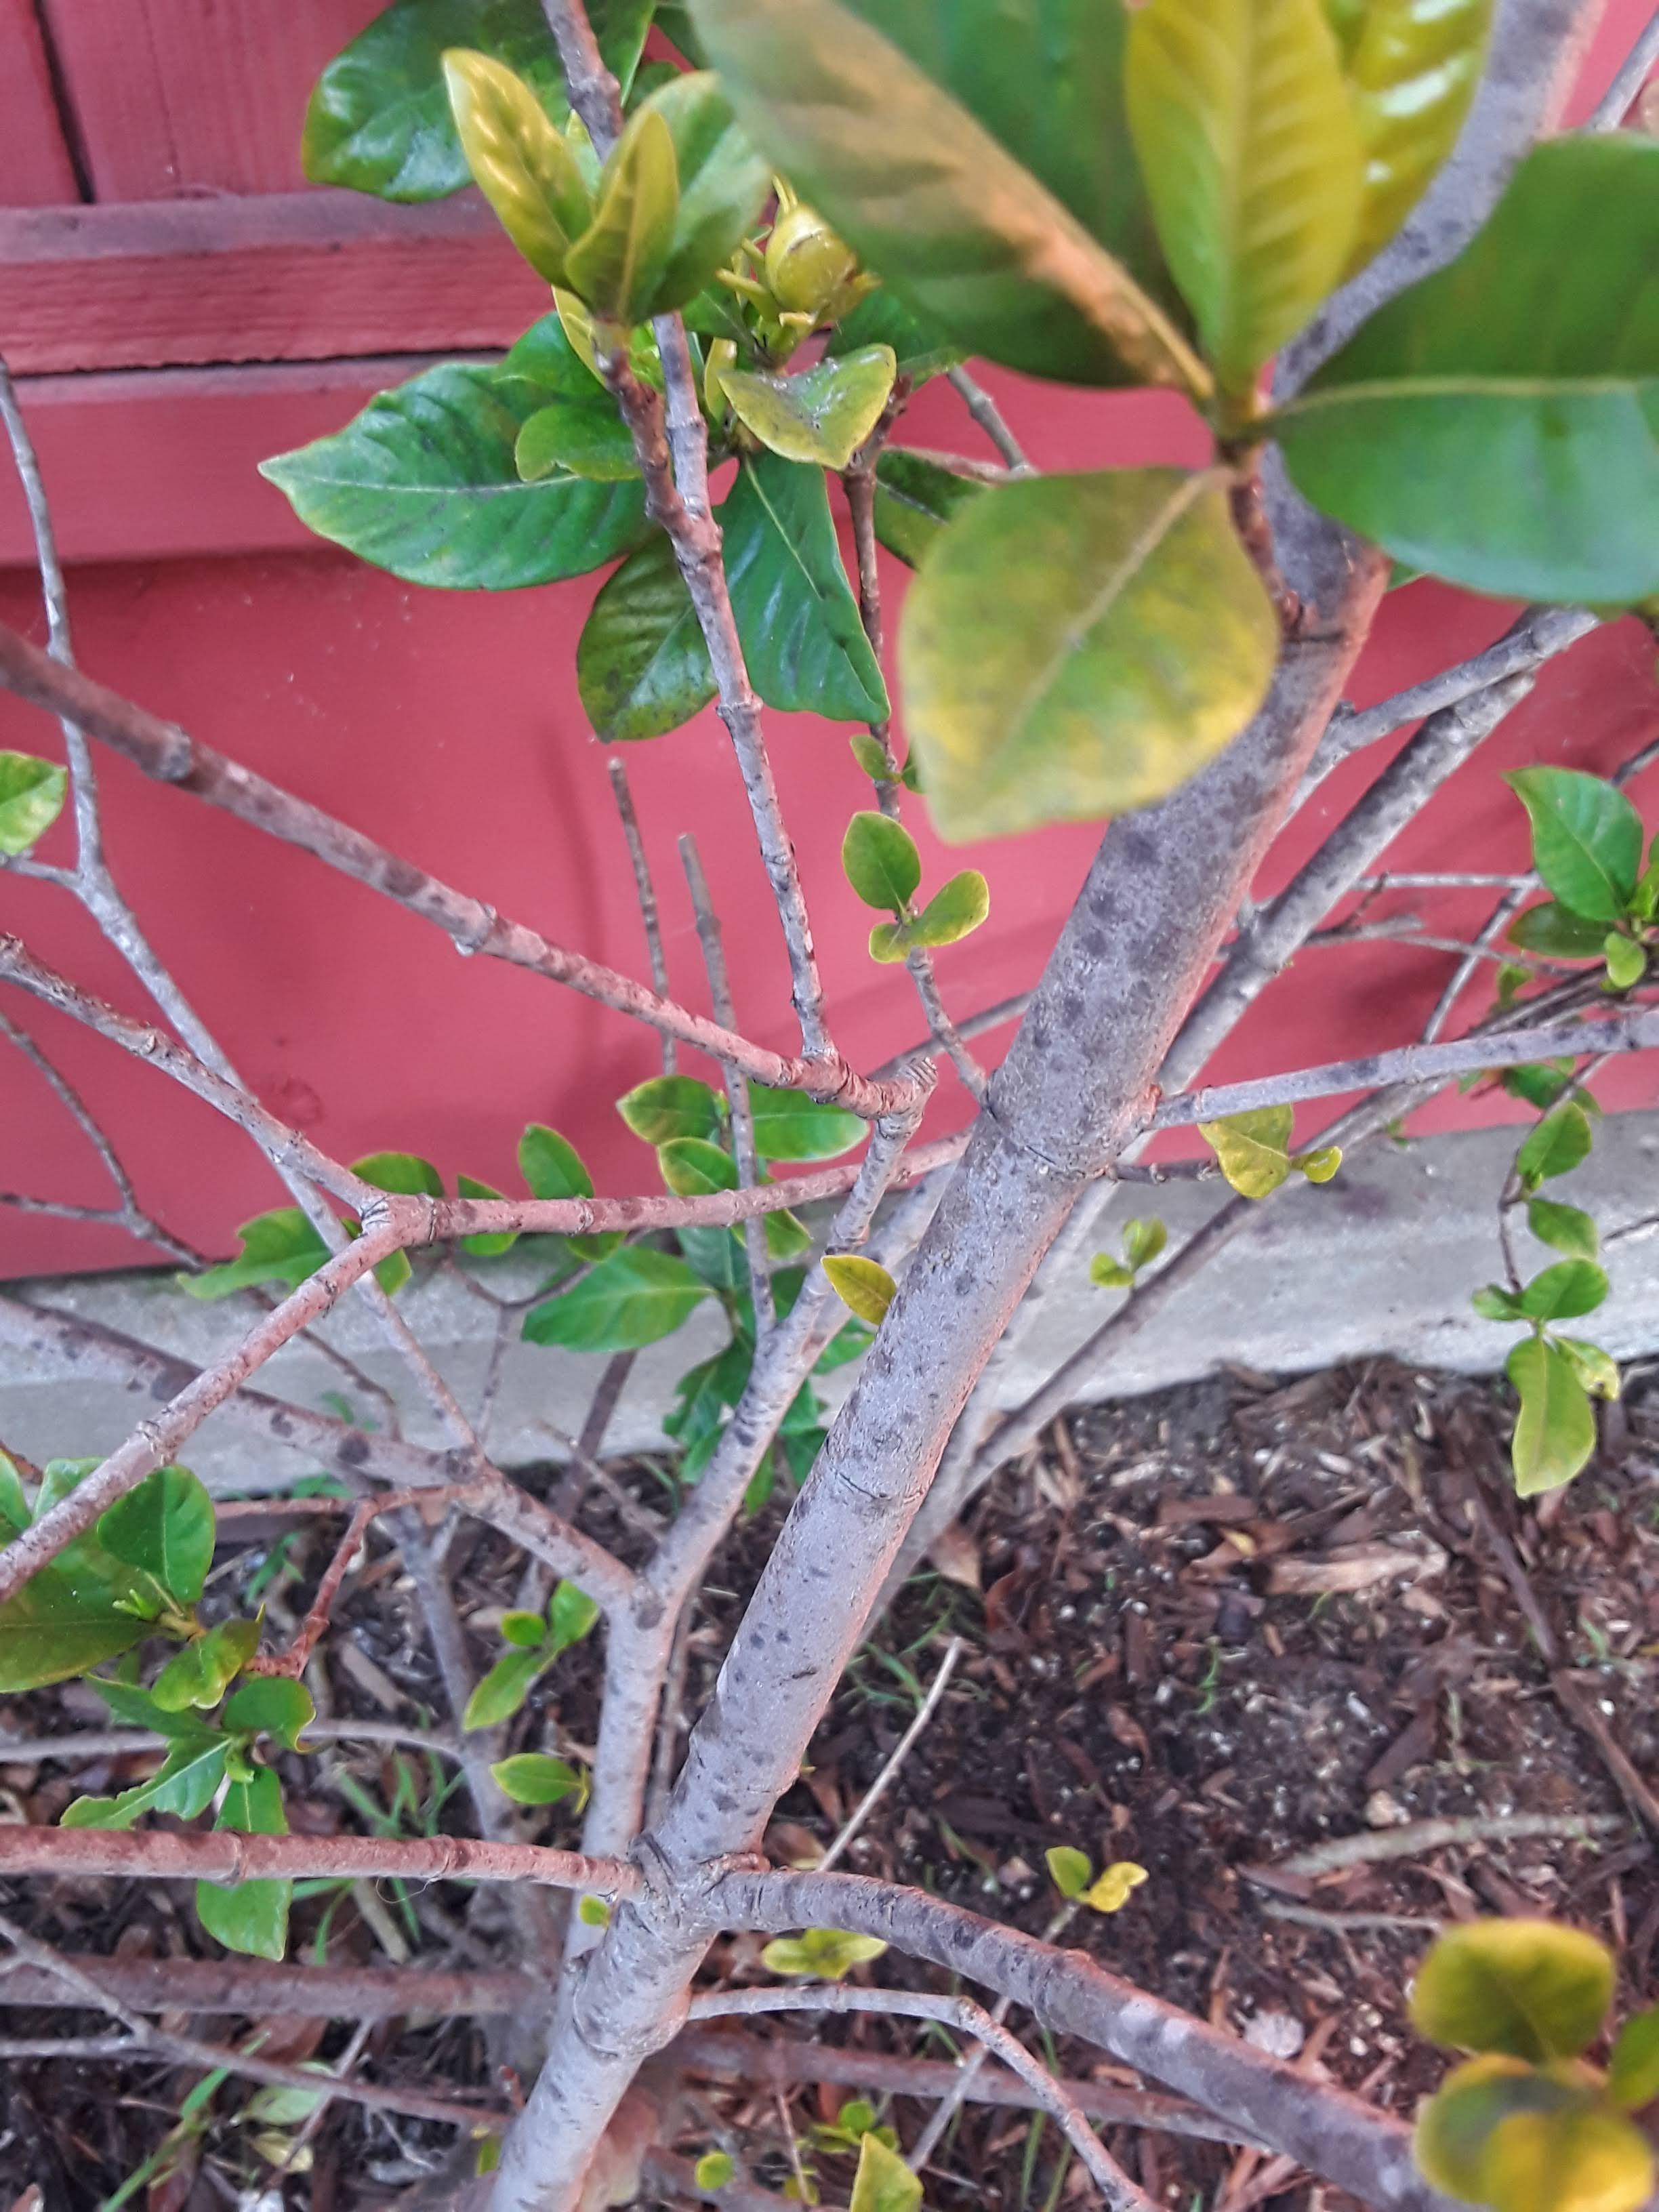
160,1389
352,1451
281,1425
401,879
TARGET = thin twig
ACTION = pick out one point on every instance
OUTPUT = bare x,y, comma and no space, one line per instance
646,893
1418,1838
989,416
749,1177
1632,72
901,1751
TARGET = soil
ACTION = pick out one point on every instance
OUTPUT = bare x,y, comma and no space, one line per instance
1202,1631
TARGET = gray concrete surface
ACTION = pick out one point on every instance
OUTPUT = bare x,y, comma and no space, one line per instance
1382,1259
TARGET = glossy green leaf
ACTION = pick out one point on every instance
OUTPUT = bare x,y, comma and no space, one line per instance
884,2182
829,1952
641,666
863,1286
270,1704
1455,2124
823,415
679,1106
921,349
955,911
1560,1141
790,1126
64,1621
582,439
1574,2158
553,1168
183,1785
954,222
1556,931
1563,1292
1078,646
525,1629
692,1167
1413,67
1586,835
1495,425
32,794
799,625
1070,1869
501,1692
529,1777
1634,2068
423,483
520,162
1529,1988
199,1674
1627,961
1245,136
879,858
249,1916
1253,1149
1569,1229
629,1300
491,1244
571,1615
615,266
165,1528
1596,1370
1555,1431
278,1247
723,185
137,1709
917,496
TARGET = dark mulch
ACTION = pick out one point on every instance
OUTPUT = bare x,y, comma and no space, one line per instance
1205,1630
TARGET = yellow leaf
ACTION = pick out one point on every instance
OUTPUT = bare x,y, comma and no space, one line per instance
1110,1890
863,1286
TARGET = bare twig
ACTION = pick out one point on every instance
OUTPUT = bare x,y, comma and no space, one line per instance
1629,78
901,1751
1418,1838
749,1177
990,418
1578,1700
647,892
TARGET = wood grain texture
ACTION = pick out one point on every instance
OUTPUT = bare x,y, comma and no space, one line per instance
180,97
35,169
290,277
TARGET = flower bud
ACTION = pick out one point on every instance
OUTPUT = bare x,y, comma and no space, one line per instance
806,262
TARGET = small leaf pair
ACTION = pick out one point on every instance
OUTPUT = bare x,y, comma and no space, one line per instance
1143,1240
1254,1152
1072,1875
1587,847
880,860
537,1640
829,1953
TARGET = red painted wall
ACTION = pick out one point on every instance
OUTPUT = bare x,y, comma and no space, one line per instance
448,726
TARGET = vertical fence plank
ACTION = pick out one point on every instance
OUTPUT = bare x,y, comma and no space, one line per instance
35,168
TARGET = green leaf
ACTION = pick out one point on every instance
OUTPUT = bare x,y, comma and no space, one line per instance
1244,132
1596,1370
529,1777
526,1630
615,266
1143,1240
64,1621
404,1172
1634,2068
1627,961
863,1286
270,1704
1569,1229
501,1692
1455,2126
278,1247
1563,1292
1413,67
523,166
879,115
1586,836
1253,1149
31,799
1069,1869
1493,1302
1556,931
916,497
379,120
571,1615
165,1528
714,2168
884,2182
1318,1166
249,1916
183,1785
424,483
1494,425
879,858
199,1674
790,1126
1574,2158
629,1300
829,1952
955,911
594,1912
921,349
799,625
553,1168
583,440
822,415
692,1167
13,1504
491,1244
679,1106
1560,1141
1530,1989
1109,1274
1541,1083
1555,1432
723,185
58,1478
1078,646
641,666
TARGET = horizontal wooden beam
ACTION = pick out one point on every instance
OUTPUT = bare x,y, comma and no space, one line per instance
314,276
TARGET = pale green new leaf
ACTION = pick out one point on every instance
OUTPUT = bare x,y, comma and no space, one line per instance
723,185
1568,1228
1242,125
961,228
884,2182
643,667
1633,2069
1412,69
424,483
1070,1869
501,1690
1555,1431
1598,1371
1254,1150
31,799
825,414
829,1952
278,1247
1077,645
615,266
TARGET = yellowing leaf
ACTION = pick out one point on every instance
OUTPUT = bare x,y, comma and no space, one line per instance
1077,645
1528,1988
823,415
1455,2125
1110,1890
863,1286
1574,2159
829,1952
884,2182
1246,138
519,160
1412,72
1253,1149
